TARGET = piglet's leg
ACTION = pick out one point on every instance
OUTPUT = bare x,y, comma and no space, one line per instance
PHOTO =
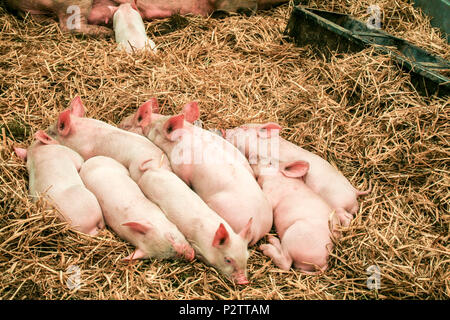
337,219
365,192
137,254
276,253
344,217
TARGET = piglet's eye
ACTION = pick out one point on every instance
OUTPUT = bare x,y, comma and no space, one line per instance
227,260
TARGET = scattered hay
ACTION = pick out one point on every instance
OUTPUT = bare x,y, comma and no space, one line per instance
358,111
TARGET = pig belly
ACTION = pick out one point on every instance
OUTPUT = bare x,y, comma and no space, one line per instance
307,245
80,208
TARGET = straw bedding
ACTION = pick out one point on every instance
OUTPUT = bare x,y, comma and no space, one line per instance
358,111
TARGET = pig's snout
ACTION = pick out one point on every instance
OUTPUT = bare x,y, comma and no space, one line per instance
240,278
99,227
189,253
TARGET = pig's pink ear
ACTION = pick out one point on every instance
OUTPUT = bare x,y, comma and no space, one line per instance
112,9
221,237
64,123
145,165
264,131
173,124
191,111
133,5
21,153
138,227
143,115
44,137
296,169
77,107
154,104
246,231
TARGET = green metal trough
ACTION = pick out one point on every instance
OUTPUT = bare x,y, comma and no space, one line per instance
331,31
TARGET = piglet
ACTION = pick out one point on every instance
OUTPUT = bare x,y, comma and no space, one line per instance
130,29
213,240
263,140
301,218
53,170
130,214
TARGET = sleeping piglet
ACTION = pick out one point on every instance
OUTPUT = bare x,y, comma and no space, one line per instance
130,29
263,140
130,214
301,218
212,238
53,169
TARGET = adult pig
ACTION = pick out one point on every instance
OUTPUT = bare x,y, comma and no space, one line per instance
53,170
301,218
91,137
130,214
256,140
154,9
212,238
214,168
72,15
129,29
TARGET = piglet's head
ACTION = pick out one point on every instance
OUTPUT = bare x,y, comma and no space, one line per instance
44,138
268,129
229,253
261,130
